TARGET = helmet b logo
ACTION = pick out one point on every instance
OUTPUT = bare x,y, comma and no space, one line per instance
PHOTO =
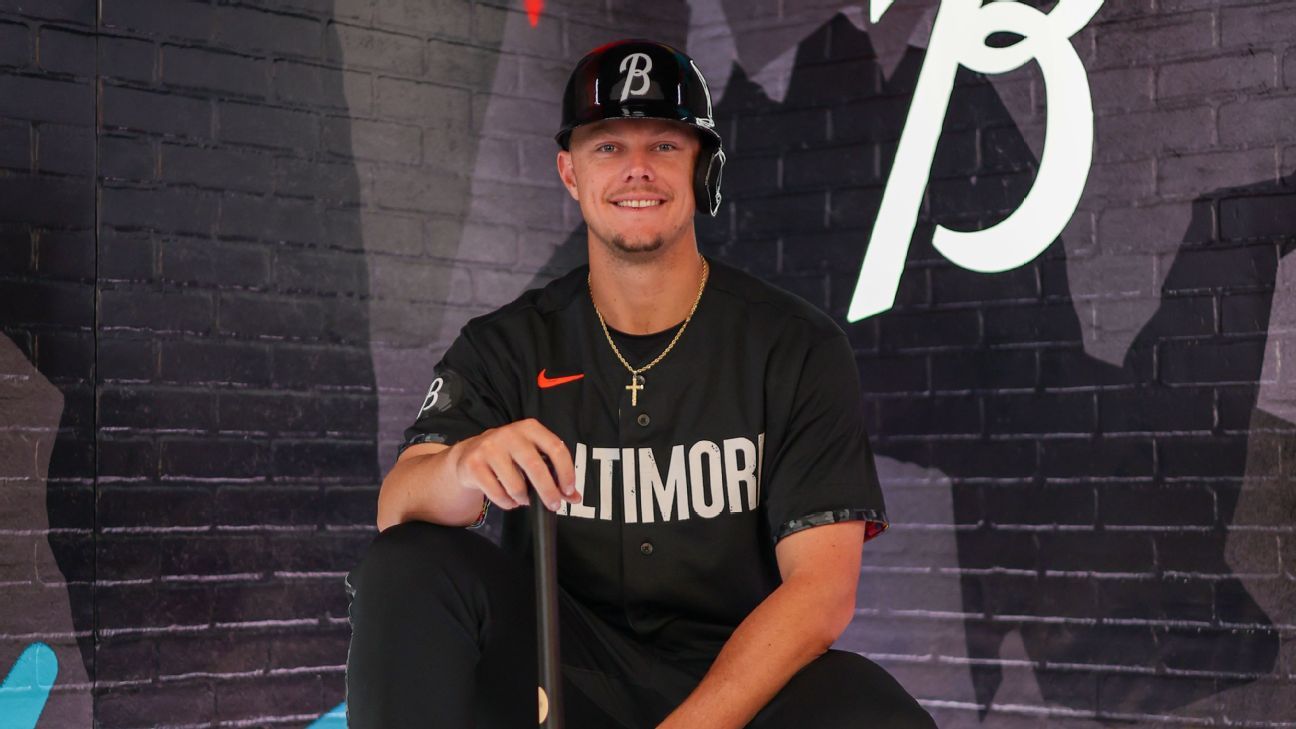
639,65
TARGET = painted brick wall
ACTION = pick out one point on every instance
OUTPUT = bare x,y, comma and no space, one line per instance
236,236
233,234
47,313
1082,456
236,398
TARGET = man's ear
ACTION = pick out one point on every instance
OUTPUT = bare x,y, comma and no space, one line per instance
567,172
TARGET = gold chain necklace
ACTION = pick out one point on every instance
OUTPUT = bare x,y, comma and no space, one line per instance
636,379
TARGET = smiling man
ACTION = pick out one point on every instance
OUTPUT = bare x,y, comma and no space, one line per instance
698,432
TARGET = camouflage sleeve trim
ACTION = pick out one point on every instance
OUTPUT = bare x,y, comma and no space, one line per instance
876,521
424,438
438,438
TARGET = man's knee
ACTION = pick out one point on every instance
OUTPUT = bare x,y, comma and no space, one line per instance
872,696
843,690
415,555
418,603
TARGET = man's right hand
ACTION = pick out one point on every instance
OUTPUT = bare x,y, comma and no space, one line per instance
499,462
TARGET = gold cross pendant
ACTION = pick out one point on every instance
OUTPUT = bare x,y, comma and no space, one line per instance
636,384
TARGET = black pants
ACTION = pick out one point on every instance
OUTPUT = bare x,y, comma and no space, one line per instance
444,635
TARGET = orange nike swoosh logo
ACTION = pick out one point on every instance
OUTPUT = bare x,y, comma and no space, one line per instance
545,381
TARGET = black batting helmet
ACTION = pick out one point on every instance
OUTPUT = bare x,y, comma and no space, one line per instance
634,79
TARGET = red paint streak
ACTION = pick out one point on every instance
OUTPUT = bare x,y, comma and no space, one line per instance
534,7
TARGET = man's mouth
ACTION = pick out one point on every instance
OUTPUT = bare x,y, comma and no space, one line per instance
637,203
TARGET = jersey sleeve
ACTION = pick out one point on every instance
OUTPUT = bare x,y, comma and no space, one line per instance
460,401
823,471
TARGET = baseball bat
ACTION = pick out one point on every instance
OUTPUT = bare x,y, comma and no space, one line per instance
544,527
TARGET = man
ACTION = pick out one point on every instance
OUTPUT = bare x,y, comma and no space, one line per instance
698,432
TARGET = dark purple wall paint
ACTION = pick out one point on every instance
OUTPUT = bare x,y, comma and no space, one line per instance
237,236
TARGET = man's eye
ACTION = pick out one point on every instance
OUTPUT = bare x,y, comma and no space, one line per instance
607,147
667,145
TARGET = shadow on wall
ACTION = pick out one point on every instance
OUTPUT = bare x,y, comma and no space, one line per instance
1092,504
214,471
1092,501
47,255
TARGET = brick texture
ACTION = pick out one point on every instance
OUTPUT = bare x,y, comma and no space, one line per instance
236,236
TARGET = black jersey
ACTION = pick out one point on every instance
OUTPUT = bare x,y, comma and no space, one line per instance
750,429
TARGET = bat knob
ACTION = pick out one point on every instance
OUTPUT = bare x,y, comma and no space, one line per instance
544,704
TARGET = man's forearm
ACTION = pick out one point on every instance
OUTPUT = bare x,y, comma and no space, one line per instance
422,488
794,625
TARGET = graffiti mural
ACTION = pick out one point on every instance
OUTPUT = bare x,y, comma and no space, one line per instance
236,238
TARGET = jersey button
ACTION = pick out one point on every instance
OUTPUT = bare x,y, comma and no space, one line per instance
643,419
646,548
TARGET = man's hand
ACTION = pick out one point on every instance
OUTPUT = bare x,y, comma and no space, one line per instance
500,461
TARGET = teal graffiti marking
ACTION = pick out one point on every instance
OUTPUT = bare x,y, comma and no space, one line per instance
334,719
25,689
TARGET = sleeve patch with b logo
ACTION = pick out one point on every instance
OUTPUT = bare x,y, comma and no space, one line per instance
443,394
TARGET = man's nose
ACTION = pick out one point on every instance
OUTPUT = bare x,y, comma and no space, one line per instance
638,167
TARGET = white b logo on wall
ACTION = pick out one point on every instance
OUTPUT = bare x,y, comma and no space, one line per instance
958,37
639,64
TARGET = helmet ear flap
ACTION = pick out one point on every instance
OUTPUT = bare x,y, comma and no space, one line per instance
706,179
